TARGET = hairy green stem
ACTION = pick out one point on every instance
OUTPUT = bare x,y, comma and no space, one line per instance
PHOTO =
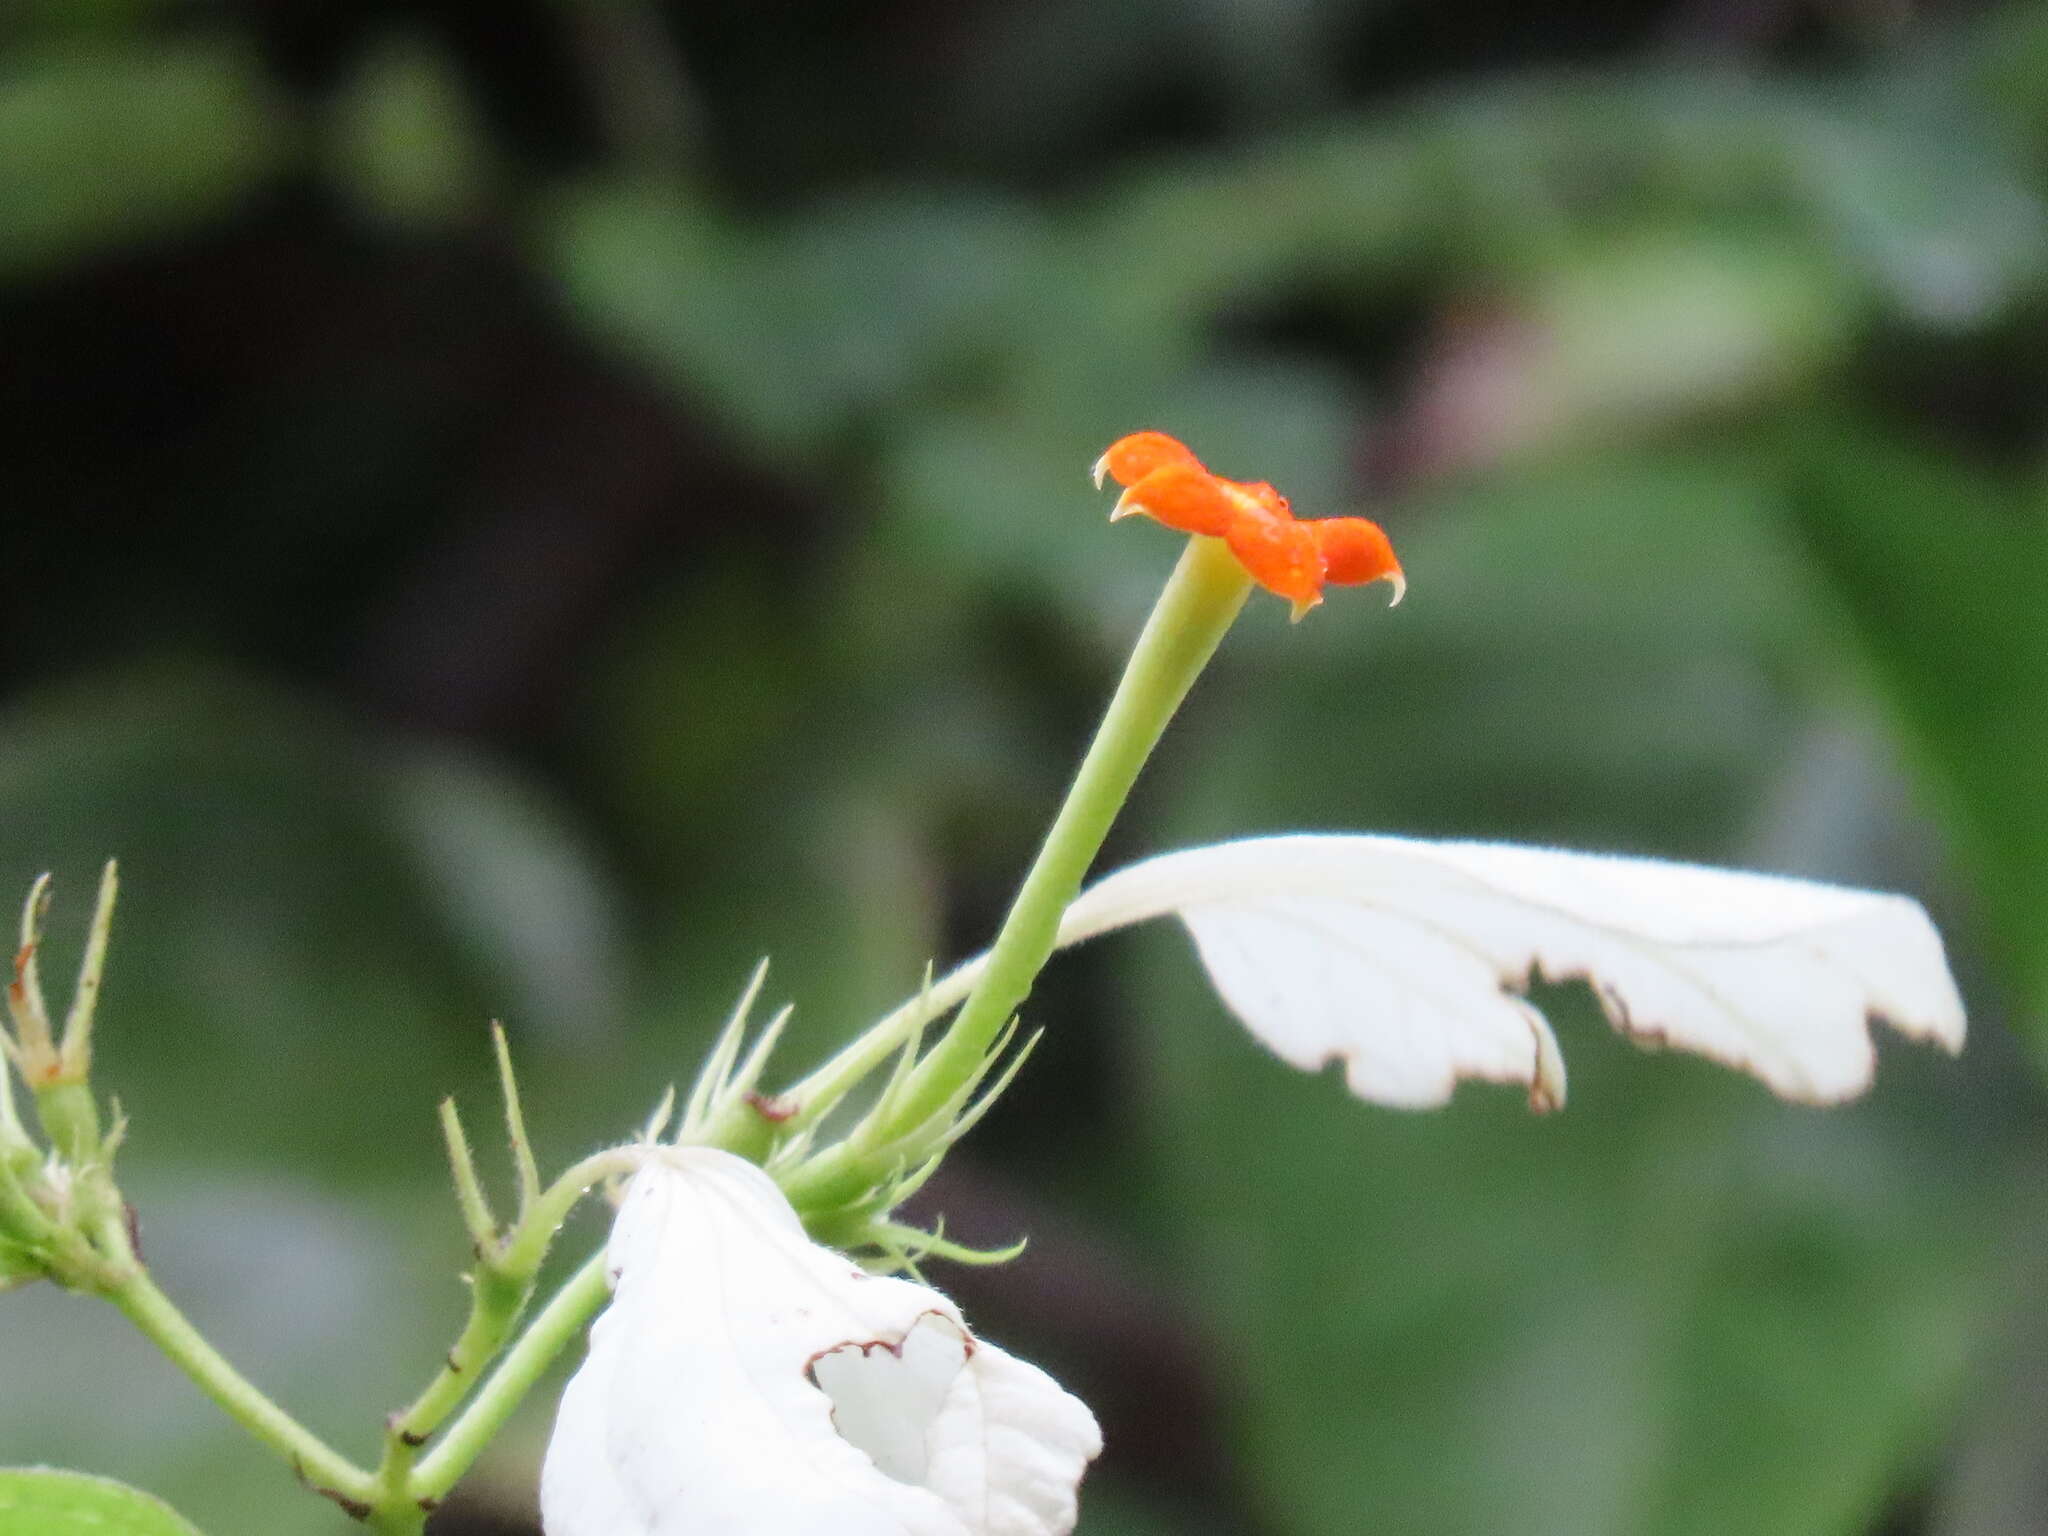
1202,598
499,1291
398,1520
815,1095
496,1300
321,1467
528,1243
552,1330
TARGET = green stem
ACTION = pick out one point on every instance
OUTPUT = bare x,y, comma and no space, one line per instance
1202,598
398,1520
528,1243
323,1468
500,1290
496,1300
817,1093
552,1330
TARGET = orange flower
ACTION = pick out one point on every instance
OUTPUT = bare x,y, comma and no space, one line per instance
1292,556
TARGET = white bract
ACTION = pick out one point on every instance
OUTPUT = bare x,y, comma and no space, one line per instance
747,1382
1400,958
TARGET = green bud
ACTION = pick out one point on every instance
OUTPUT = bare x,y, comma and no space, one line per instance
56,1069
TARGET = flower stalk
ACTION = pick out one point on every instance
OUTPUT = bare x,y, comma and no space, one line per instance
552,1330
1202,598
318,1465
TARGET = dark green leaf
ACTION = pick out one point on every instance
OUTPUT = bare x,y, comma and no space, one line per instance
1942,574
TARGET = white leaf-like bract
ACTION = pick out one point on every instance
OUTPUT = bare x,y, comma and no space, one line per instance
1402,958
747,1382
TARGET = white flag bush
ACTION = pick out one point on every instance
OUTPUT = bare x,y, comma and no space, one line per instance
1402,958
745,1380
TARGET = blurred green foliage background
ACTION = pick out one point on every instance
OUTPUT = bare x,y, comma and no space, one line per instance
521,510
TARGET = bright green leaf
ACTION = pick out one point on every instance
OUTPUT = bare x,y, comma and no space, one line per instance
39,1501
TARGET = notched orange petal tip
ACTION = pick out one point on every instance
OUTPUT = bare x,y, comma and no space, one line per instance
1355,551
1292,557
1131,459
1183,496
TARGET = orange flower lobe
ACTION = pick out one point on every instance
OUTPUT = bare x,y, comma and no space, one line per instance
1131,459
1355,551
1281,555
1289,556
1183,496
1265,496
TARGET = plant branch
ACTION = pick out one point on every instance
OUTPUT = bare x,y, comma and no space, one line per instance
550,1332
500,1289
322,1468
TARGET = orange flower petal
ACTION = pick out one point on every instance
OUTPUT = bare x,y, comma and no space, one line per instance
1280,554
1355,551
1183,496
1265,496
1131,459
1286,555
